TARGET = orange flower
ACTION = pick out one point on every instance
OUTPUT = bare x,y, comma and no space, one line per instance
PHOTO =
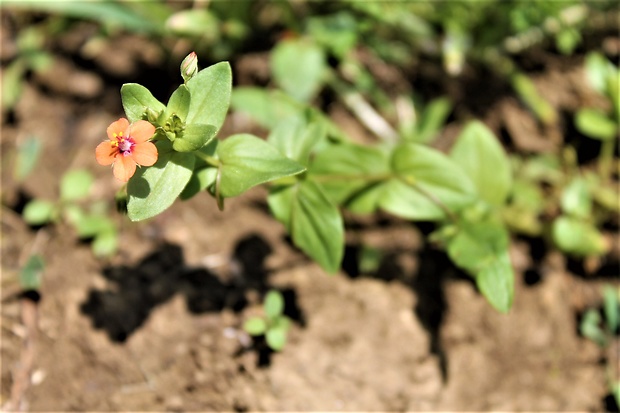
127,146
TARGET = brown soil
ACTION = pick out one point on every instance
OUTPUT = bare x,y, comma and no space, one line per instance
159,326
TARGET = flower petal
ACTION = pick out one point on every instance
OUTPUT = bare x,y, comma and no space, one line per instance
106,153
141,131
144,153
117,127
124,168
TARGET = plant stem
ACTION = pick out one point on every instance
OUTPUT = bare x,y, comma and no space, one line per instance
605,158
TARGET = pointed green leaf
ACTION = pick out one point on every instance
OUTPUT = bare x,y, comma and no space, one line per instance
210,89
295,137
280,201
433,179
247,161
344,170
264,107
179,103
200,180
152,190
317,227
28,153
137,99
481,156
298,67
481,249
314,223
432,120
496,282
30,275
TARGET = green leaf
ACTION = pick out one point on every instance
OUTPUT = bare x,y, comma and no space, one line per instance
295,138
247,161
477,244
432,120
481,248
267,108
136,100
482,157
255,326
595,124
316,226
276,338
576,199
343,170
527,91
30,274
274,304
12,83
110,13
598,70
611,308
91,225
496,282
27,156
105,244
152,190
193,137
38,212
75,185
298,67
591,329
578,237
280,201
179,103
210,89
199,23
200,180
425,179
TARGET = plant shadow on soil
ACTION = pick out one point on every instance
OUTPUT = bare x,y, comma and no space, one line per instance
122,309
434,268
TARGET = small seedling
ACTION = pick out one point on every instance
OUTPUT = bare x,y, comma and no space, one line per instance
93,224
274,325
601,330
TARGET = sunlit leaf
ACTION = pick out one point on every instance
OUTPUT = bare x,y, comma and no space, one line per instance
247,161
152,190
482,157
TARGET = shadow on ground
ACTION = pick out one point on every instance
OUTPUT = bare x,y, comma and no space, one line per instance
121,309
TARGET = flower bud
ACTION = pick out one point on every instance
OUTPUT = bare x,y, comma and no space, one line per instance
189,66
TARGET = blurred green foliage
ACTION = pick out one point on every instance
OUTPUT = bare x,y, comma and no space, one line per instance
476,195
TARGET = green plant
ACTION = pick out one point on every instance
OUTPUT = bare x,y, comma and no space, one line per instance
314,170
91,222
602,330
602,124
30,55
31,273
274,325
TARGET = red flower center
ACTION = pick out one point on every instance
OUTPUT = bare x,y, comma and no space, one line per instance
125,145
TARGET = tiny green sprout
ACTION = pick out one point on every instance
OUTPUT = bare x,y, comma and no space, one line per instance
31,272
274,325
